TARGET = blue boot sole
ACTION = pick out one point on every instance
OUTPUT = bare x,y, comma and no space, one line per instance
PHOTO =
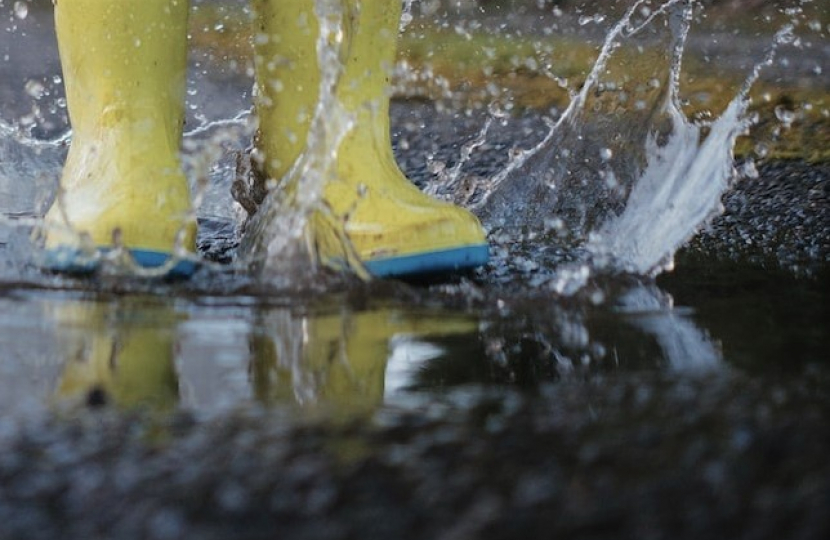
73,261
431,262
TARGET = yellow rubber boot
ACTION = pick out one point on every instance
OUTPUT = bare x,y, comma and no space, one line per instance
394,228
124,65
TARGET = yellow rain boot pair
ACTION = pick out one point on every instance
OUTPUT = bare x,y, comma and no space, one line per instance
124,64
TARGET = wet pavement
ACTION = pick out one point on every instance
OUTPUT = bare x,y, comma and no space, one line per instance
648,457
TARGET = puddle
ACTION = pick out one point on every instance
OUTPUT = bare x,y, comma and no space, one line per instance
584,316
355,356
536,314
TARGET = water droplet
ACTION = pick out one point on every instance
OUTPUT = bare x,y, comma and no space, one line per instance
588,19
784,38
761,150
749,170
21,10
406,19
27,120
35,89
436,167
554,224
606,154
277,85
784,115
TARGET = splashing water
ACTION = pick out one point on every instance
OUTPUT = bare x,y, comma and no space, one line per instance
279,242
22,156
683,181
627,186
29,169
630,184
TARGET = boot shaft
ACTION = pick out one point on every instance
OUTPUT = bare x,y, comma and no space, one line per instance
288,75
124,65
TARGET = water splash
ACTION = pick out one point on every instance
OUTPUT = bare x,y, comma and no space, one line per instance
279,242
29,173
682,184
589,159
29,168
626,175
631,198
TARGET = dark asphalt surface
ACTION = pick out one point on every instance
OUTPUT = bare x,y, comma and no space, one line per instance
780,218
643,458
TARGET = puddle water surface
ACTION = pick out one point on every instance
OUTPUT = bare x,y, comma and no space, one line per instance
587,204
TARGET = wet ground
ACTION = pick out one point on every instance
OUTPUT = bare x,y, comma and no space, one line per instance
619,457
485,406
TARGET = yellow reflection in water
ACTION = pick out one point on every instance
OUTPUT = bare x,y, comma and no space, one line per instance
121,351
338,360
133,353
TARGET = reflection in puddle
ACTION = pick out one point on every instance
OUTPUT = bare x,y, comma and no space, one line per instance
341,359
685,346
165,354
149,351
117,351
